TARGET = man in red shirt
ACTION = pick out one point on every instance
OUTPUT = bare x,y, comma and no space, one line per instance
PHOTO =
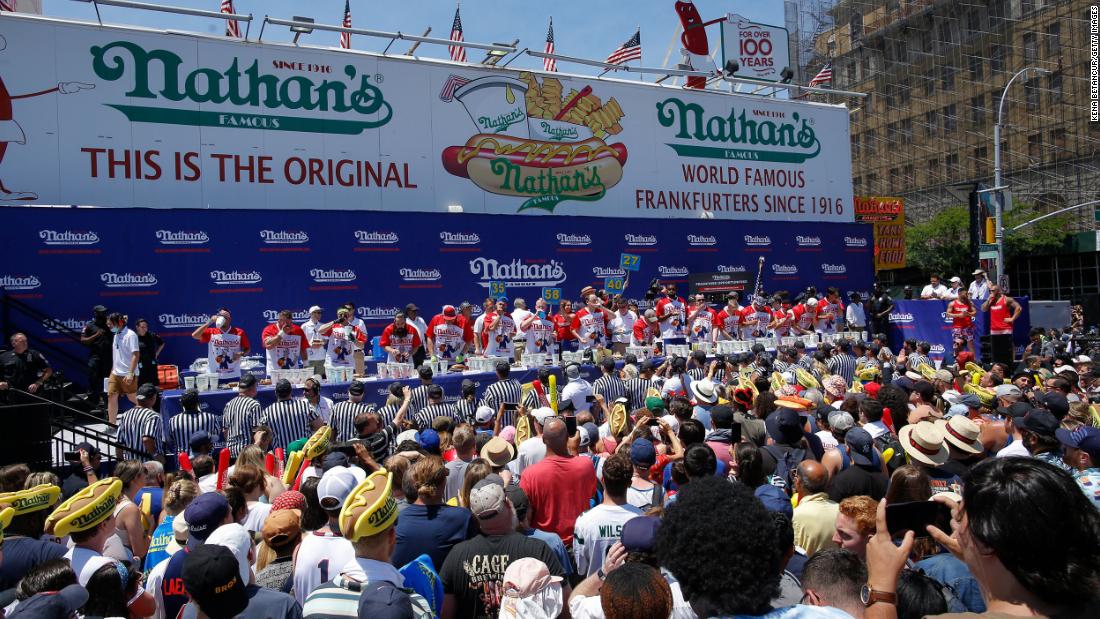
755,318
447,337
399,340
701,318
805,316
226,345
646,329
590,324
729,319
830,311
563,325
560,485
670,311
285,343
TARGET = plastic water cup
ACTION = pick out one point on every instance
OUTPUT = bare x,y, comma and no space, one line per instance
188,382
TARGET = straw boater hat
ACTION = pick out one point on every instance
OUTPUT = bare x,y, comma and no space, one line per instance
962,433
923,442
85,509
32,499
370,509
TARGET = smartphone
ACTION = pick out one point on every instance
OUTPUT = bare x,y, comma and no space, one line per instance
589,398
652,421
511,406
71,456
570,424
735,433
915,516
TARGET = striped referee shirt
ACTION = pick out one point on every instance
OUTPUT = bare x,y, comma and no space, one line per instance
465,410
636,390
507,390
610,386
531,400
781,366
134,425
427,415
183,425
343,418
418,399
239,416
916,359
807,362
289,421
843,365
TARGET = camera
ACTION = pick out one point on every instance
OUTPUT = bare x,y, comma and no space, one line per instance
653,290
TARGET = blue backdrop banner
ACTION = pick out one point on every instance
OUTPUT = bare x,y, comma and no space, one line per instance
928,321
176,267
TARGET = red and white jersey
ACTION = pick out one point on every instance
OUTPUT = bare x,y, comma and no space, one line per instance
702,325
783,319
644,332
448,337
340,345
541,336
804,317
498,340
403,344
828,315
592,328
286,353
757,319
671,314
729,319
221,351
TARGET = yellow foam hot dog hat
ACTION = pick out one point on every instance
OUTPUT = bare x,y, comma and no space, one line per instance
86,508
6,515
318,443
32,499
370,508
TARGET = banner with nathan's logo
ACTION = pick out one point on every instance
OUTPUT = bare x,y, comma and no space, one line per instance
118,117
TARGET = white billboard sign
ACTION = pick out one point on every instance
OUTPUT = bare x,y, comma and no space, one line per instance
118,117
761,51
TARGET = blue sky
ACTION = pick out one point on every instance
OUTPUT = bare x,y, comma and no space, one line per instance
585,28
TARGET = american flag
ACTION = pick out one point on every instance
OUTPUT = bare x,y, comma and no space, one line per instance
458,53
345,37
824,76
232,28
550,64
7,5
452,84
631,50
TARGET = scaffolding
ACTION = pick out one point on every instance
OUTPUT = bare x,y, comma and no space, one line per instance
935,71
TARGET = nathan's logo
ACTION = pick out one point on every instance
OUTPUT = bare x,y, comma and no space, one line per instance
603,272
855,241
574,240
271,315
901,317
947,320
808,241
182,237
731,268
784,269
235,278
363,237
182,321
327,276
98,513
68,237
640,239
517,273
160,75
536,140
19,282
421,275
378,312
459,238
31,503
937,349
283,237
758,241
60,325
737,134
381,515
672,271
701,241
833,269
128,280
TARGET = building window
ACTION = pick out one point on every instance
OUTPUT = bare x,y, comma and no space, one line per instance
977,68
973,23
1031,94
1054,40
981,160
929,84
1058,140
856,26
1054,84
1031,47
997,59
931,122
865,68
872,183
869,141
850,73
947,75
907,175
952,164
891,132
950,118
977,110
907,128
1035,147
857,184
1027,6
893,179
933,170
855,147
904,92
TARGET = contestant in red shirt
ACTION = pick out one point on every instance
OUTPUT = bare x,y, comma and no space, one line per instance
728,321
447,336
670,311
755,318
646,329
590,324
701,318
563,326
226,345
285,343
962,312
399,340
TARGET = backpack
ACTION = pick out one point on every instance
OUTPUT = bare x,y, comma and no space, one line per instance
785,464
886,442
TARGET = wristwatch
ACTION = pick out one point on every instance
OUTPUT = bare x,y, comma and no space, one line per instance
602,575
869,596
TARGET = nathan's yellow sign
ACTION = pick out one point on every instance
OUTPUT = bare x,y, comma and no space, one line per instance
888,217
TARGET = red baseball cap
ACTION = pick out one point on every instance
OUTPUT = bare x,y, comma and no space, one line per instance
449,312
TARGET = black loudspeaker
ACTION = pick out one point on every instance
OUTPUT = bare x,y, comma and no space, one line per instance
31,443
1001,349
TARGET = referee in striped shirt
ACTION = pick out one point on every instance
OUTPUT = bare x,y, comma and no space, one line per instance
505,390
240,415
419,397
436,408
345,412
289,419
610,386
192,420
637,388
466,406
140,429
920,356
531,401
842,363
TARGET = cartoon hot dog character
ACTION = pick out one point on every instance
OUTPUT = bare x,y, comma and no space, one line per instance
568,157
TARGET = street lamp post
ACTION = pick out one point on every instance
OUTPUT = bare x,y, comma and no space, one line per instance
998,226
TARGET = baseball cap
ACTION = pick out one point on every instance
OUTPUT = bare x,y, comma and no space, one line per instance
179,534
784,426
1007,391
970,400
956,409
237,539
487,499
291,499
774,499
212,577
841,421
642,452
408,435
1039,421
862,446
88,447
336,484
638,534
198,439
370,507
282,387
148,391
52,604
334,459
203,515
315,308
382,600
519,500
1016,410
1085,438
654,404
247,381
572,371
356,388
542,413
721,415
449,312
1056,403
483,414
591,431
281,527
527,576
429,440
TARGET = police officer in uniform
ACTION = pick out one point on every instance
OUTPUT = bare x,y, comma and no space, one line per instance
97,337
22,368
